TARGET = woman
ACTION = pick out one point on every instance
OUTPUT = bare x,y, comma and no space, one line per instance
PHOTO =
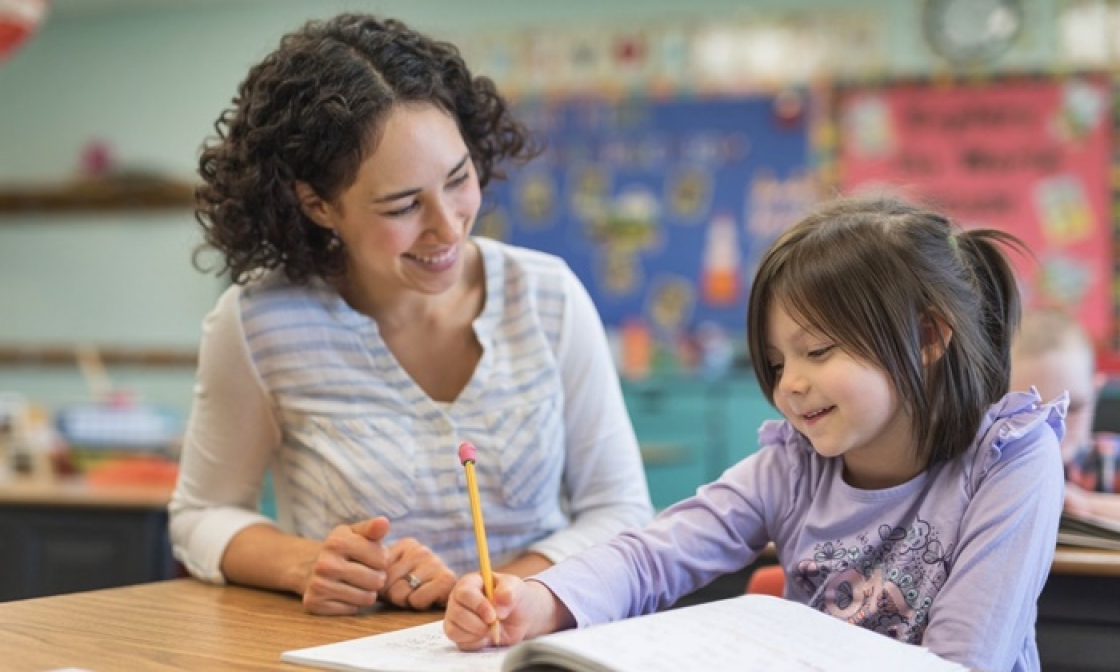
367,334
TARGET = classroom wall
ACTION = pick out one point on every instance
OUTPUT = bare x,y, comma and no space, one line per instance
150,81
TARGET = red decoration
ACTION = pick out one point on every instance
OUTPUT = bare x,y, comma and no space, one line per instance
18,21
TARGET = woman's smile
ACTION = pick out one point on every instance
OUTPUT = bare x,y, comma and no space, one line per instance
435,261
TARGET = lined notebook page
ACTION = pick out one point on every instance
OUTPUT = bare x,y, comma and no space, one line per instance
751,633
423,648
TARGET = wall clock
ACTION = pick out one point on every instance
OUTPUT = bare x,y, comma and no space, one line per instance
972,32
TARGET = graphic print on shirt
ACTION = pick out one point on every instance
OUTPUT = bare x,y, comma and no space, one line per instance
885,581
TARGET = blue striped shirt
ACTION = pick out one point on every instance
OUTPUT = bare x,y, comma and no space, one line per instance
293,379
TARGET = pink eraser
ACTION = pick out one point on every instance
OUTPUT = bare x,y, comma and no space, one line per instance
467,452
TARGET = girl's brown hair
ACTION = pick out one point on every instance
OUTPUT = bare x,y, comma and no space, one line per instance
882,278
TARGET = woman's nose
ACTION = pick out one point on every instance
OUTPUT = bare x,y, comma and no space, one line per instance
444,223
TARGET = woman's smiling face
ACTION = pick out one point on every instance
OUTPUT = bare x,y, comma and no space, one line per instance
406,217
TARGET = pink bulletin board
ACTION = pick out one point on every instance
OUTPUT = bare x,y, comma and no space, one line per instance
1029,155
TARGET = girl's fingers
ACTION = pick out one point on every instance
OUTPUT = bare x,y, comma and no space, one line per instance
466,627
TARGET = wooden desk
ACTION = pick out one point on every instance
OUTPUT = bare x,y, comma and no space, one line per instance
182,624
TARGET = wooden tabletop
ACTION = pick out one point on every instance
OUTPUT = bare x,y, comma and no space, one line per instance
181,624
185,624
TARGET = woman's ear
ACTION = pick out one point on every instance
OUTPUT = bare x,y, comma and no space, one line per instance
312,205
935,339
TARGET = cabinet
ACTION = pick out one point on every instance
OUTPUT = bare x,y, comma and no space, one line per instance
1078,623
692,429
58,539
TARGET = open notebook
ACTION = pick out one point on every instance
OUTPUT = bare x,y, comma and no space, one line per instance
744,634
1089,531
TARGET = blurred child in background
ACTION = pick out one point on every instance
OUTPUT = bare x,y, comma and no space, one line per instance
1053,353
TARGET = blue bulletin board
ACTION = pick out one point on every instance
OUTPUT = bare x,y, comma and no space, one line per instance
662,207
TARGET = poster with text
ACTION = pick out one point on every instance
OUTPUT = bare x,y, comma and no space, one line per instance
1027,155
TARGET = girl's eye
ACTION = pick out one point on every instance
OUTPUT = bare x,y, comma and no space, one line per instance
459,180
776,369
821,352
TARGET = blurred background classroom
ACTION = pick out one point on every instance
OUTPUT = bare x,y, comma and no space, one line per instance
682,138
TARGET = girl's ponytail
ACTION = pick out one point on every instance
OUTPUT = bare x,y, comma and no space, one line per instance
999,293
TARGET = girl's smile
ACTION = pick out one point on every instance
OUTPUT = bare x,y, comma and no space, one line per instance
844,406
818,415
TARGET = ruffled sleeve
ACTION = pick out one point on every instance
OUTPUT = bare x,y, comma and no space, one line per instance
1017,416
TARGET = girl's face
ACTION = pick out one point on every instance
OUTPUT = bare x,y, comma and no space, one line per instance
406,218
844,406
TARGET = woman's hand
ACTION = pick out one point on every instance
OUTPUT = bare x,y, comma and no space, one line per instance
416,577
349,570
523,609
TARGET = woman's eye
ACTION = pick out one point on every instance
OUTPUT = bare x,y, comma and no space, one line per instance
821,352
403,211
459,180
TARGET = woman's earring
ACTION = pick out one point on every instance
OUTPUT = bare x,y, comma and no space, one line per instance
335,242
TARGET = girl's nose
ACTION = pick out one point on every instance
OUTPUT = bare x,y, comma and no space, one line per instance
792,381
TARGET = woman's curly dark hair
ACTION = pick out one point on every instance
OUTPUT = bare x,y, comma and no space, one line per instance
312,111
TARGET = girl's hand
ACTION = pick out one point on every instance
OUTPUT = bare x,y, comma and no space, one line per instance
523,609
349,570
417,577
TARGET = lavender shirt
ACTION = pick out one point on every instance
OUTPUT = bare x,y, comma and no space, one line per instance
953,560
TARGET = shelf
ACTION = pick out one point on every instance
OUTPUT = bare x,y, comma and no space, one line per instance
110,356
97,196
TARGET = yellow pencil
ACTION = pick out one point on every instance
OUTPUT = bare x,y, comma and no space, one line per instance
467,455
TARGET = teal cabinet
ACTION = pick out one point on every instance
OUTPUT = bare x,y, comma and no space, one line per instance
692,429
671,422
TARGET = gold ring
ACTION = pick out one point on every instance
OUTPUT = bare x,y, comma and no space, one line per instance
414,581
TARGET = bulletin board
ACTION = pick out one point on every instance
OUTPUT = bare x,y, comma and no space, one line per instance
1029,155
661,207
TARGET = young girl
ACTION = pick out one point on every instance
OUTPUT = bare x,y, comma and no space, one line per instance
906,491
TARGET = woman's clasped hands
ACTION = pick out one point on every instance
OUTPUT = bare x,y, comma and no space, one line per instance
353,569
